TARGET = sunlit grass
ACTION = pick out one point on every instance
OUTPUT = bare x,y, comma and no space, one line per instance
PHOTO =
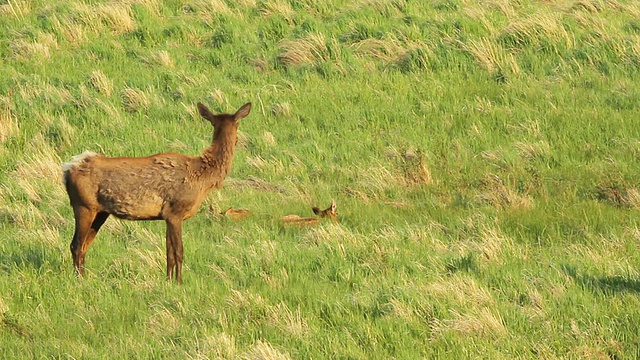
482,155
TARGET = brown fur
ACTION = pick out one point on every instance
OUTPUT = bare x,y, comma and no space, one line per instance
165,186
296,220
236,214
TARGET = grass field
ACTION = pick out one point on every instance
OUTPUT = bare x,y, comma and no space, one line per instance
483,156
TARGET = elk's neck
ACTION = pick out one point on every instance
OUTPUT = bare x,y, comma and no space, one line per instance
216,161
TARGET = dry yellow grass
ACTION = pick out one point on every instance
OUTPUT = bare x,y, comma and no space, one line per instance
482,323
162,58
533,150
461,289
308,50
8,122
277,7
387,50
101,82
71,31
269,139
538,28
218,346
219,97
38,49
16,8
41,167
115,16
134,100
388,8
282,109
209,8
500,193
491,243
262,350
390,49
491,56
163,321
291,322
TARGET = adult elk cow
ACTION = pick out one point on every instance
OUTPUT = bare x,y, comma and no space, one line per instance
165,186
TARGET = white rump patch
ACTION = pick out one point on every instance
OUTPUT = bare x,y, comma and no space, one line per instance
77,159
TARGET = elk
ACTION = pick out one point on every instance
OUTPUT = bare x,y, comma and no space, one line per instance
166,186
296,220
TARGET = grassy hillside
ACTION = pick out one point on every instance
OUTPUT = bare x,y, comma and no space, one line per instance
483,156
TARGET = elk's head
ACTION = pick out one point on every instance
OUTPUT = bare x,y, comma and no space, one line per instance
225,125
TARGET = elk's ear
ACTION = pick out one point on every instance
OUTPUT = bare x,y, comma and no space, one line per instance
204,112
242,112
333,206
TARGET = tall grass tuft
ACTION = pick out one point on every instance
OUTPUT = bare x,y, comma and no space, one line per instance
492,57
304,51
101,82
541,29
262,350
134,100
8,122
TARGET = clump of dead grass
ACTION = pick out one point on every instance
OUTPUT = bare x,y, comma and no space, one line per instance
618,194
291,322
411,166
282,109
70,30
162,58
277,7
462,290
533,150
101,82
262,350
498,193
309,50
483,323
40,167
210,8
8,122
544,29
135,100
115,16
219,97
38,49
219,346
491,56
391,49
16,8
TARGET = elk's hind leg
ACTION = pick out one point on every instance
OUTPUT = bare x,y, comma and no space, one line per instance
84,218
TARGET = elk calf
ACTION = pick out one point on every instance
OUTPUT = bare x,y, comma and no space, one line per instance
296,220
166,186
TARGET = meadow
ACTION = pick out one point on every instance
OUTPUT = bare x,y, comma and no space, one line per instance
483,156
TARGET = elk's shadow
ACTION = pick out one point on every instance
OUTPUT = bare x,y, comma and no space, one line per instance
32,257
603,284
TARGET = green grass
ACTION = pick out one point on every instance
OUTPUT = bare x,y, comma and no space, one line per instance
483,156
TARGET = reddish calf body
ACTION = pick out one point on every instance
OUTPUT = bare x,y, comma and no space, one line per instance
165,186
297,220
